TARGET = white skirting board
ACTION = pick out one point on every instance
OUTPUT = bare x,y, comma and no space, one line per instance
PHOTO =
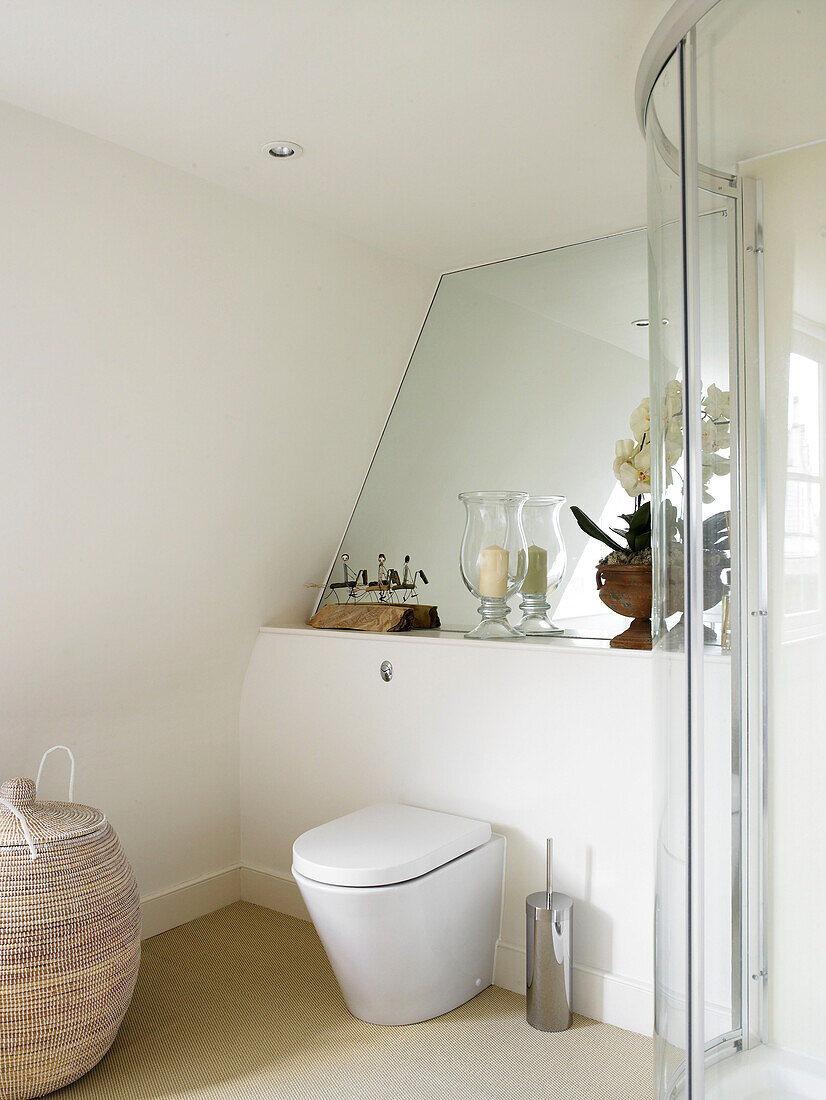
169,908
614,999
273,891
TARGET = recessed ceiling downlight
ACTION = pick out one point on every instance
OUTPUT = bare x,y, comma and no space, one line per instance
282,150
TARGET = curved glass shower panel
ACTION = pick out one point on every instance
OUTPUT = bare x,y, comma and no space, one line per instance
741,269
665,313
712,427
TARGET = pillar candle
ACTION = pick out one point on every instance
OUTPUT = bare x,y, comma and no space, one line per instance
536,578
493,572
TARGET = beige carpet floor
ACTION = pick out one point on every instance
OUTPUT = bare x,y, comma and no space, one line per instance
242,1005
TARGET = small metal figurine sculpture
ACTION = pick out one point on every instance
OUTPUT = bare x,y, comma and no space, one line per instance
351,579
408,581
388,587
386,579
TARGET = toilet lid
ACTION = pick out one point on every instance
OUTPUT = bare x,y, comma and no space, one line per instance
383,844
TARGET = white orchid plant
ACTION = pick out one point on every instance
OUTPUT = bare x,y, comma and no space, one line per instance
632,461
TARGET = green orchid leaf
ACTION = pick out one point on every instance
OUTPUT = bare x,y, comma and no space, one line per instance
590,528
641,518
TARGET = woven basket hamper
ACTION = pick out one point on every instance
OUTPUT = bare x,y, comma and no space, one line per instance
70,925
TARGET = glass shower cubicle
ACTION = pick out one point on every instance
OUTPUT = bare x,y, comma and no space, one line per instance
732,99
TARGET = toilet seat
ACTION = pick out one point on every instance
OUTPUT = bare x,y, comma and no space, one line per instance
383,844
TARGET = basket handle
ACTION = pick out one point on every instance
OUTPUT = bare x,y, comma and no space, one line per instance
23,825
48,752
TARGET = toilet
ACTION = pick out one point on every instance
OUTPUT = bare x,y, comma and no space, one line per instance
408,905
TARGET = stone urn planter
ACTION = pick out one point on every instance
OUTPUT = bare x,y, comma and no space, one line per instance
624,576
626,589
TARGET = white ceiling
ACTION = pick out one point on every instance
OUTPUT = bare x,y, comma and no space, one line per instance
450,132
761,81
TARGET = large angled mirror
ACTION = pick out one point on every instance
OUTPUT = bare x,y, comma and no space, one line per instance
524,376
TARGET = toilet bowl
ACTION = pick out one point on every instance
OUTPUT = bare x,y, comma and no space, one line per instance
408,905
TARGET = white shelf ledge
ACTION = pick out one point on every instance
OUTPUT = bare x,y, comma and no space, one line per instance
559,643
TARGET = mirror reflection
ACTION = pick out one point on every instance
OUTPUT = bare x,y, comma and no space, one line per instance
523,378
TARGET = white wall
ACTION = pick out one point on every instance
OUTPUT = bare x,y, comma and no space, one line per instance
537,739
192,388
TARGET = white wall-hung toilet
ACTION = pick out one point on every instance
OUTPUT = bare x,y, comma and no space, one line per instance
408,905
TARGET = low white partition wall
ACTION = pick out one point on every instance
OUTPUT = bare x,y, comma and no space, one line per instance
551,738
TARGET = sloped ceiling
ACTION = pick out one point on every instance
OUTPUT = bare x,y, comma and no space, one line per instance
449,132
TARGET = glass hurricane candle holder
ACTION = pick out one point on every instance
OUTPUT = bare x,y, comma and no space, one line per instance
493,559
546,561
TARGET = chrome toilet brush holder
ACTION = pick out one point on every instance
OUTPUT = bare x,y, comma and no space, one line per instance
549,942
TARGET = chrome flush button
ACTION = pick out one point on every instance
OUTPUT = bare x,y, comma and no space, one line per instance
386,671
